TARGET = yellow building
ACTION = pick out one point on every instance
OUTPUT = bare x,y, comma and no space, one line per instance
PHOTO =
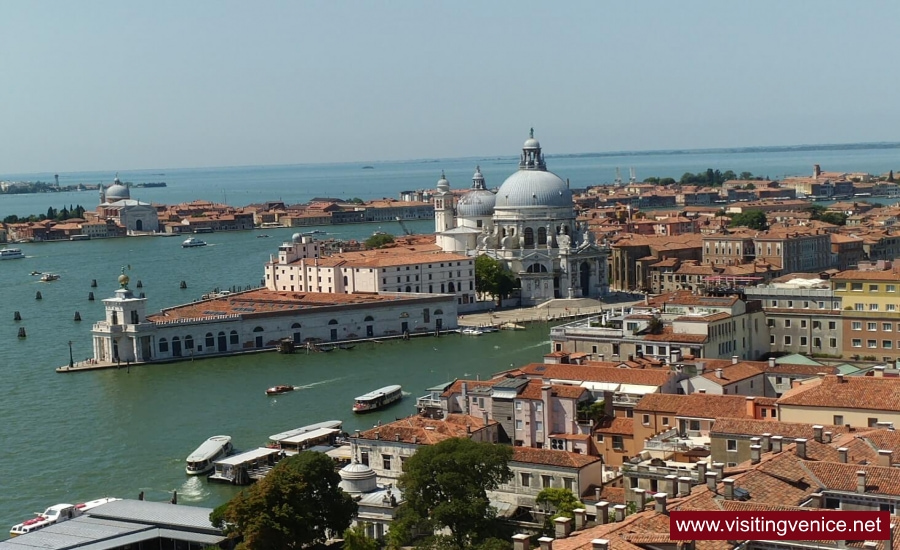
871,316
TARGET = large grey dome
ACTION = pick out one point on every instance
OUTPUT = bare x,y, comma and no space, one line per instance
477,202
533,188
117,192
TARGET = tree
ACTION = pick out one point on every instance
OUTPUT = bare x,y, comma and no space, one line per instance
749,187
445,486
294,506
815,211
746,176
562,501
492,278
355,539
834,218
379,240
754,219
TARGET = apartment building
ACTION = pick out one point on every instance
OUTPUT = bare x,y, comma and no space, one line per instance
870,316
857,401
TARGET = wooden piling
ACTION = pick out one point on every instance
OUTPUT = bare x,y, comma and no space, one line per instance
77,316
22,332
17,316
90,296
38,296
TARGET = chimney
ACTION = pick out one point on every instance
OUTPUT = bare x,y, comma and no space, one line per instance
684,486
755,454
816,171
755,441
619,512
415,440
377,435
661,503
600,544
840,378
878,371
485,416
597,491
729,488
671,485
580,518
719,373
601,357
751,406
765,442
842,455
861,481
465,398
885,458
546,543
826,437
521,541
816,500
602,513
776,443
640,498
771,362
719,467
701,471
801,448
711,480
563,527
817,433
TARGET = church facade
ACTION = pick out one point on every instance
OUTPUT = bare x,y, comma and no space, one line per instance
135,216
529,225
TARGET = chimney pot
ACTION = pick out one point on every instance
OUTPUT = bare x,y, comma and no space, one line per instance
397,436
602,513
801,447
563,527
729,488
521,541
826,437
817,433
719,467
776,443
597,492
735,359
546,543
684,486
661,503
861,481
639,498
842,454
600,544
765,442
701,471
720,373
671,485
755,454
580,518
771,362
711,480
619,512
885,458
840,378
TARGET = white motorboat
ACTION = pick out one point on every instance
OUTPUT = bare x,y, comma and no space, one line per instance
47,277
203,459
11,254
55,514
192,242
377,399
471,331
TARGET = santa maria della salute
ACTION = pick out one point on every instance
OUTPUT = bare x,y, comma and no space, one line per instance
529,225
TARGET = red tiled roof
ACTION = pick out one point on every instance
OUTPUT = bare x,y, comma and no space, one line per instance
426,431
696,405
562,459
855,392
593,373
842,477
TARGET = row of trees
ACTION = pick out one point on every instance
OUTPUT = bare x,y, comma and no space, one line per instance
756,219
52,214
445,489
710,177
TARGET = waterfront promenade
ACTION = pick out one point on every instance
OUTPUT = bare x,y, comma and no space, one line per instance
551,311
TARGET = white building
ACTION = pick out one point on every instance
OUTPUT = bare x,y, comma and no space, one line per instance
377,505
528,225
408,269
116,204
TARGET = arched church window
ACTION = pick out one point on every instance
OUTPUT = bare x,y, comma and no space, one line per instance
542,235
529,237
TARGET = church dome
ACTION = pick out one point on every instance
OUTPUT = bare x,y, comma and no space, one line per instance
358,478
443,185
478,201
533,188
533,185
117,192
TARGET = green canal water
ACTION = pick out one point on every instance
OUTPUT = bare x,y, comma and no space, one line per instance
76,437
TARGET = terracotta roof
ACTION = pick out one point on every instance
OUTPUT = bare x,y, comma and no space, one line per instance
752,427
707,318
696,405
426,431
668,335
615,425
890,275
836,476
531,390
562,459
855,392
593,373
734,373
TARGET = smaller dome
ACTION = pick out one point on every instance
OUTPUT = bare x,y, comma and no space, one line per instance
443,184
532,143
297,238
117,191
358,478
476,203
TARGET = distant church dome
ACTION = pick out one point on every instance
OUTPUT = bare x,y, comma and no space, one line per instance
533,185
117,191
443,185
478,201
358,478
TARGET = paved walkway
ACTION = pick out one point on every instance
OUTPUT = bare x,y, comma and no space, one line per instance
553,310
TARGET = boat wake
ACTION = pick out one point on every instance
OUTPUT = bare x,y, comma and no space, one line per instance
538,345
194,489
314,384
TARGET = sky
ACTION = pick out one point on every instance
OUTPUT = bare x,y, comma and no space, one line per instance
96,85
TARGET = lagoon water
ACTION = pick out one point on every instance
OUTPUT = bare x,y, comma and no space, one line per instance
75,437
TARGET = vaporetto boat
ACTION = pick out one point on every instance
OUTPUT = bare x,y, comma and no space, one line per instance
204,458
377,399
11,254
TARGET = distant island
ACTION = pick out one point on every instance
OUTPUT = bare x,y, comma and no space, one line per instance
368,167
151,184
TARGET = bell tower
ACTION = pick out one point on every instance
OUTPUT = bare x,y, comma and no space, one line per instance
444,217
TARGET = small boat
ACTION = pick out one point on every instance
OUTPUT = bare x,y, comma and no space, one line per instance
56,514
263,236
347,347
512,326
192,242
35,272
377,399
203,459
47,277
471,331
326,349
11,254
278,390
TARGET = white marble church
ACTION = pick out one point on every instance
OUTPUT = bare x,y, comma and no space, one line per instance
529,225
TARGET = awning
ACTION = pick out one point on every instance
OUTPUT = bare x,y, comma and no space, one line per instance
599,386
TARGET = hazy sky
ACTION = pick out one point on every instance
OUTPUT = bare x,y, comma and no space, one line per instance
95,85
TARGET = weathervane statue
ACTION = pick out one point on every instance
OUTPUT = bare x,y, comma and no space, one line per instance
123,279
